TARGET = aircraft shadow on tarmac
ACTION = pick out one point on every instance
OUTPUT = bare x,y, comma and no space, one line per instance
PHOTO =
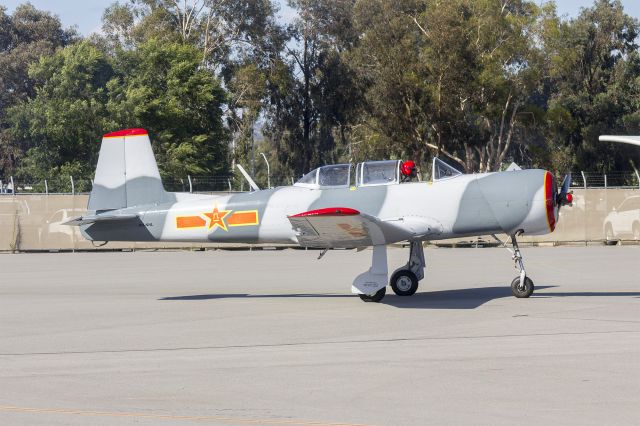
465,298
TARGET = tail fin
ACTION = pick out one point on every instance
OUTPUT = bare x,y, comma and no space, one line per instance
127,174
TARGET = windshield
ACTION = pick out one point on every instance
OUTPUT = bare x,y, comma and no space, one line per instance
442,170
309,178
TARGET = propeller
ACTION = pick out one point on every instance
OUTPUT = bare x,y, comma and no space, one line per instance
564,197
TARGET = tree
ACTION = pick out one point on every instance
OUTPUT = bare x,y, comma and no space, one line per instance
239,42
314,93
25,36
61,124
82,93
448,77
163,88
593,69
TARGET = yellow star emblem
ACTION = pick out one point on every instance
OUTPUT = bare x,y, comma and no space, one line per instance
216,218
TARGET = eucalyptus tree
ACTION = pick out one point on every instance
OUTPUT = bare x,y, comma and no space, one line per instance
452,78
594,73
25,36
315,97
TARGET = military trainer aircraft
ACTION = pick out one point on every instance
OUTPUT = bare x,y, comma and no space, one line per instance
373,204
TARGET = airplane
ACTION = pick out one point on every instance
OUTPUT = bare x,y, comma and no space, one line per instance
374,204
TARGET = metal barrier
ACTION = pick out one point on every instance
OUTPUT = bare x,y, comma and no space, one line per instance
30,222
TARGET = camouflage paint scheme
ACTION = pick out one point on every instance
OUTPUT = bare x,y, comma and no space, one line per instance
128,188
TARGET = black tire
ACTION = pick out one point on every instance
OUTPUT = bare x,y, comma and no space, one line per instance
404,283
521,293
376,297
608,235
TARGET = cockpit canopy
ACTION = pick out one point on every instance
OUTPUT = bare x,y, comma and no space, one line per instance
442,170
370,173
331,176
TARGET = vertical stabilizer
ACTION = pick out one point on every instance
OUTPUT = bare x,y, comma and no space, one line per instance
127,174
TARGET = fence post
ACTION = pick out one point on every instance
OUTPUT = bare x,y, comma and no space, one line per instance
46,187
584,181
229,182
605,181
13,186
73,186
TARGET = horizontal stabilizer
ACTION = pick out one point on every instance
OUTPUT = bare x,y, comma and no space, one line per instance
85,220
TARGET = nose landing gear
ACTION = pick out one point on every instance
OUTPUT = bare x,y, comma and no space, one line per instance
521,286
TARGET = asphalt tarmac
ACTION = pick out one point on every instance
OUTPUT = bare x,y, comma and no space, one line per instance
275,337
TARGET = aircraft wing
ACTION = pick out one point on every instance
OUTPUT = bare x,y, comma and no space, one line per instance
633,140
85,220
347,228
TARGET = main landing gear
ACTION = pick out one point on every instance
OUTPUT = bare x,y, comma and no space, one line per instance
404,280
371,285
522,285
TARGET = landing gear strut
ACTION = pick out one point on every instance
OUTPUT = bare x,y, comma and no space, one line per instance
371,284
404,280
521,286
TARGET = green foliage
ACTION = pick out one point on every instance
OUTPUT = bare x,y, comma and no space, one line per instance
314,94
82,93
593,67
62,123
162,88
25,36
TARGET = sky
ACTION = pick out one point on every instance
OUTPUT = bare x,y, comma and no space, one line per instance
86,15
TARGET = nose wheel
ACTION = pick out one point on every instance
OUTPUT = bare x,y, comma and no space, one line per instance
522,289
521,286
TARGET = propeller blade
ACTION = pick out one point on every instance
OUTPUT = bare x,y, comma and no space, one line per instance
564,197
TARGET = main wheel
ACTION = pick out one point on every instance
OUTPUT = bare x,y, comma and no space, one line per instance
404,283
608,235
375,297
522,291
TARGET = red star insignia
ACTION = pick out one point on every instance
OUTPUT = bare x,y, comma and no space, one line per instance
216,218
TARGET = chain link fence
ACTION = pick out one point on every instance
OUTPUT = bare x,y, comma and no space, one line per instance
71,185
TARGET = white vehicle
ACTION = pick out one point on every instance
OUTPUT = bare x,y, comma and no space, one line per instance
624,221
